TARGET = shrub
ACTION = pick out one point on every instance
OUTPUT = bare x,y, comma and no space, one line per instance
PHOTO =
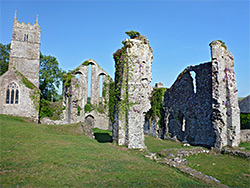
132,34
244,121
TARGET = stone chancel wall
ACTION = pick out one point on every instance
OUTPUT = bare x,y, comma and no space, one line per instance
205,112
132,81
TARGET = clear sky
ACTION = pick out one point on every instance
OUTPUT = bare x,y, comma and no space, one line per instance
179,32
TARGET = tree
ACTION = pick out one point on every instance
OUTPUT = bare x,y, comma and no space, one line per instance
132,34
50,76
4,58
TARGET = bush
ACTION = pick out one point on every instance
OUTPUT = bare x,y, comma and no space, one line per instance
132,34
244,121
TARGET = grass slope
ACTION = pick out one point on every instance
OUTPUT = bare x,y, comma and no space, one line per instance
34,155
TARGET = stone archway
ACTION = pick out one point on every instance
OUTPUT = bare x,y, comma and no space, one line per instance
90,120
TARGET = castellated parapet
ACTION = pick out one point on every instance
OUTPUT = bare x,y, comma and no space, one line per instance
132,85
25,50
204,110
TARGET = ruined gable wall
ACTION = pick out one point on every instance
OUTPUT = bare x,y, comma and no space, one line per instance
209,116
75,95
188,112
133,78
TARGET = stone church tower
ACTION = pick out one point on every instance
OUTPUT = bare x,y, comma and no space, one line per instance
25,50
19,86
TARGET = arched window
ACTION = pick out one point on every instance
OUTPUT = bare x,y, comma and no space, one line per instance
16,97
8,96
12,94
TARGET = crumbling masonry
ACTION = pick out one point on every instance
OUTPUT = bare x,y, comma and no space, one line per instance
205,113
77,108
132,85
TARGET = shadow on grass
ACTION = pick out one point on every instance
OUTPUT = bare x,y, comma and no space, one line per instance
103,137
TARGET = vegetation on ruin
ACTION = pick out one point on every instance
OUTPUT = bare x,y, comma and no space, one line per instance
132,34
88,107
223,44
111,100
4,58
85,63
156,109
67,79
244,121
53,110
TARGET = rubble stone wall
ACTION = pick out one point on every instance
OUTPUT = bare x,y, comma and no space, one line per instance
209,114
132,81
75,95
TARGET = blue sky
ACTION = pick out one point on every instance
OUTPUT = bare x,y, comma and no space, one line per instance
179,32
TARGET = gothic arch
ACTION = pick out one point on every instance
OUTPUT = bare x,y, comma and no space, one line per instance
12,93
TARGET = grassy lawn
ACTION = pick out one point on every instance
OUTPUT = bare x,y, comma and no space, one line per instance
246,145
230,170
34,155
156,144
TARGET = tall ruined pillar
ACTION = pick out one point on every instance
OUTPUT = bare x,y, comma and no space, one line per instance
226,113
132,78
85,71
93,84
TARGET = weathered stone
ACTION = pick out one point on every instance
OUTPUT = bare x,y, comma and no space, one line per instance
19,93
132,78
244,105
87,130
206,113
245,135
75,96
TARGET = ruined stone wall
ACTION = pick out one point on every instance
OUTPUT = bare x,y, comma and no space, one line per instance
75,95
25,50
226,113
132,82
206,113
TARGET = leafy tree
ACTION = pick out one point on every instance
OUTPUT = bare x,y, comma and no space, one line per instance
4,58
50,76
132,34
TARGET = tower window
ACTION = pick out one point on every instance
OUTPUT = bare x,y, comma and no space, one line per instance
25,37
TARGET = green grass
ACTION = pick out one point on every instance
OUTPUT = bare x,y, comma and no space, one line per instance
230,170
156,144
35,155
246,145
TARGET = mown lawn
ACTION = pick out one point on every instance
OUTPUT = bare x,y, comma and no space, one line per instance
34,155
230,170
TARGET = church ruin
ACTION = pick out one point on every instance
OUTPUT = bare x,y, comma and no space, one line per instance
132,85
75,95
205,112
200,108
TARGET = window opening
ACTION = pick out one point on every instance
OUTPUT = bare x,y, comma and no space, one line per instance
12,97
8,96
89,83
25,37
16,97
193,75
